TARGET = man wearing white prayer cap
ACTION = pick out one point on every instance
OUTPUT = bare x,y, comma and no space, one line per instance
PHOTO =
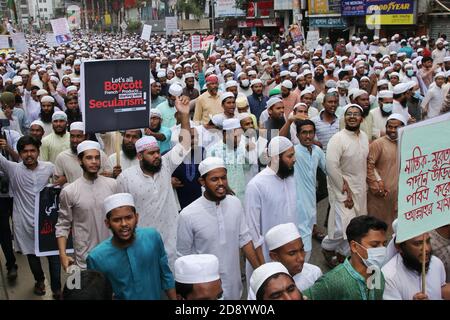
197,277
167,107
179,77
192,87
57,141
215,224
134,260
380,114
232,149
67,165
271,190
286,246
382,175
81,206
150,181
402,93
161,133
37,129
346,163
433,101
272,281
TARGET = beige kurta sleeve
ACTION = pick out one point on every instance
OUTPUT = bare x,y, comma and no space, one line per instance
372,158
65,216
333,156
198,112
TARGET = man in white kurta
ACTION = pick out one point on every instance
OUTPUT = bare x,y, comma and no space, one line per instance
152,191
218,228
434,99
81,210
380,114
346,159
270,199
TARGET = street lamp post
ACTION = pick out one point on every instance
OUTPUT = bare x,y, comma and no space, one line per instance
213,2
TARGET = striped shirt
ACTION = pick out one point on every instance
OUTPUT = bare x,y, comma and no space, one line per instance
325,130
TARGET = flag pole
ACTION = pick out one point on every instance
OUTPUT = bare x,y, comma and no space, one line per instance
423,266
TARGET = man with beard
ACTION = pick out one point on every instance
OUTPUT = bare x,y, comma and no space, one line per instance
270,197
232,150
76,69
403,273
155,90
26,178
347,171
160,133
290,99
309,158
380,115
162,77
275,110
440,52
208,103
179,77
215,224
67,166
257,101
167,108
286,246
434,99
189,90
134,259
400,103
319,78
72,109
80,209
128,154
382,172
361,98
58,141
47,110
150,182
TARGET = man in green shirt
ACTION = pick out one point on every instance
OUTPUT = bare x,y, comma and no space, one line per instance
359,277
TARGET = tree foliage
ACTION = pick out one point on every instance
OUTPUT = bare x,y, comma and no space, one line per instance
194,7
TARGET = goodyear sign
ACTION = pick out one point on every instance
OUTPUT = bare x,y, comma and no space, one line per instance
385,12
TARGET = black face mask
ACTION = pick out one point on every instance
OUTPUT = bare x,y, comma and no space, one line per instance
77,72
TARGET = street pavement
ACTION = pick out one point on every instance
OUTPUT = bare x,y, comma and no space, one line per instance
22,288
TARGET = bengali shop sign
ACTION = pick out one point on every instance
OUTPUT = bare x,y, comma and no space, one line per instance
353,8
386,12
424,180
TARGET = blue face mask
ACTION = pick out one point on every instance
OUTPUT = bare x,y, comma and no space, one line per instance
375,256
410,73
387,107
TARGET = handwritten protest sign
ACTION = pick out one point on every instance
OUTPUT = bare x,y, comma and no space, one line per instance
312,39
115,94
45,219
424,180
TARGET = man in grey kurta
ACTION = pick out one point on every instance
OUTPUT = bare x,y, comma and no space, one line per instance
81,209
28,178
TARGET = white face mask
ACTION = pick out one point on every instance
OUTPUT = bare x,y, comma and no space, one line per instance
245,82
375,256
387,107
